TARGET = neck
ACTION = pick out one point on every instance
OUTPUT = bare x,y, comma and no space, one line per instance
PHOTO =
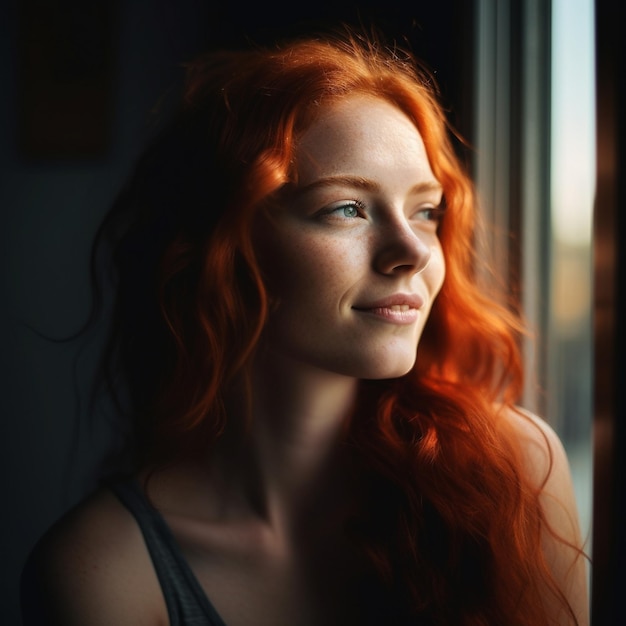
287,461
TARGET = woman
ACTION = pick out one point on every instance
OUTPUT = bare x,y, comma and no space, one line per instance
323,398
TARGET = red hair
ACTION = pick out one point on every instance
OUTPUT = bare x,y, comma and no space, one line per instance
450,524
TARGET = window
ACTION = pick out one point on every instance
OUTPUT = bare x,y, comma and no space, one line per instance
572,191
535,174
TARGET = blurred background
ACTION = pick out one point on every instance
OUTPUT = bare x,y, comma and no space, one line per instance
80,84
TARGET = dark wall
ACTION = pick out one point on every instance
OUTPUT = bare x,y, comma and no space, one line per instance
78,83
609,541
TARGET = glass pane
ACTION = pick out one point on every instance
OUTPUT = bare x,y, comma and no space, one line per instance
572,188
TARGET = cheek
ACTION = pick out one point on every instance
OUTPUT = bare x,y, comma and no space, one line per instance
310,269
436,271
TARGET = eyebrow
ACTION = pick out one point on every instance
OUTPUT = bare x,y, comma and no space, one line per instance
364,183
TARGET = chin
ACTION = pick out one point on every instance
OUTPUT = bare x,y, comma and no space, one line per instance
388,375
385,371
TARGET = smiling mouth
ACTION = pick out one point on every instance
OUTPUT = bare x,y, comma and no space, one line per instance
401,314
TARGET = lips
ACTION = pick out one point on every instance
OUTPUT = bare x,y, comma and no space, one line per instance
398,301
398,309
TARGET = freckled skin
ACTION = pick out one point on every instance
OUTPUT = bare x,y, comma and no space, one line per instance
323,261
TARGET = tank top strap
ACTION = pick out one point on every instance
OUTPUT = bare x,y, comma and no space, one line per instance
187,604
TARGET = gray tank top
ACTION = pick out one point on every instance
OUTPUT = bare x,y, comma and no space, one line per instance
187,604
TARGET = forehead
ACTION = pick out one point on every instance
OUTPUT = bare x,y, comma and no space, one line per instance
364,135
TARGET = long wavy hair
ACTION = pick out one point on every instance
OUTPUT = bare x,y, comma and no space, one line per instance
448,522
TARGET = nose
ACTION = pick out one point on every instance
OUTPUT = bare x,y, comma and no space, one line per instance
401,250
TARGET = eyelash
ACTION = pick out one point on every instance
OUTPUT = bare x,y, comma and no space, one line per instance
351,204
437,212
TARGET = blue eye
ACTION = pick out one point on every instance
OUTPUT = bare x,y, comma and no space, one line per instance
347,210
431,214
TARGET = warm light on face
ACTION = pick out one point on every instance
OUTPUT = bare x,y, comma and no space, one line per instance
352,255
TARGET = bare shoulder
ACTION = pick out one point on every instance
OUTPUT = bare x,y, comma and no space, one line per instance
92,567
547,467
543,453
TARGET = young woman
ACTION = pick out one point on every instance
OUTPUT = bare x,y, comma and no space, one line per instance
325,430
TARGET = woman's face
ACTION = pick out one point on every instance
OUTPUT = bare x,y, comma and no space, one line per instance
351,254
